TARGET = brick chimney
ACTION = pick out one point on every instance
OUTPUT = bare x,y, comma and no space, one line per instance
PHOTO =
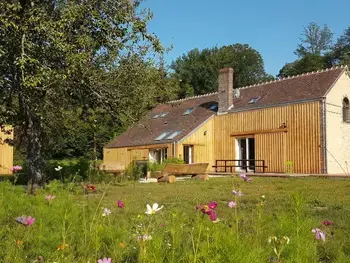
225,89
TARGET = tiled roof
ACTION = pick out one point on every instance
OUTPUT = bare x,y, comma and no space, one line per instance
147,130
303,87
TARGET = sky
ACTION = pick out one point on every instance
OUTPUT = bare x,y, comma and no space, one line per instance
272,27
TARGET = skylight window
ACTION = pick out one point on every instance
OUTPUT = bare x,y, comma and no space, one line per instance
214,107
156,116
254,100
162,136
188,111
163,114
173,135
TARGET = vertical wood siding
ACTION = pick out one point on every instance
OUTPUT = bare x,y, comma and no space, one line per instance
299,145
202,140
6,154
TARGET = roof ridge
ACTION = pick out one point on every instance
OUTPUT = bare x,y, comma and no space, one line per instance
193,97
293,77
264,83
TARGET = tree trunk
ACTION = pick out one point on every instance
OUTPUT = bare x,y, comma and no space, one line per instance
34,152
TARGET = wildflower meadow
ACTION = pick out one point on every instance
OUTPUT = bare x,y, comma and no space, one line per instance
233,219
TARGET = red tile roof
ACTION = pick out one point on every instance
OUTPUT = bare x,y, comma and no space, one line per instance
309,86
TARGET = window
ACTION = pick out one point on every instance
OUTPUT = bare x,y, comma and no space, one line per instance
214,107
188,111
188,154
156,116
346,108
162,136
163,114
254,100
173,135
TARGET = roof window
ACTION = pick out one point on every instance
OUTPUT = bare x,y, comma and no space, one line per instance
162,136
254,100
173,135
188,111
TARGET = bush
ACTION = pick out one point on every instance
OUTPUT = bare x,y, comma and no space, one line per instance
154,167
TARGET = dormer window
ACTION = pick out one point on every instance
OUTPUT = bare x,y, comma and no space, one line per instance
346,108
188,111
254,100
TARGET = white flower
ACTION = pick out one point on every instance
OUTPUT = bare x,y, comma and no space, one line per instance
144,237
152,210
106,212
58,168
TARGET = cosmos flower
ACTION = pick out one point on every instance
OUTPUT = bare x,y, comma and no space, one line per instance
238,193
50,197
25,220
16,168
319,234
152,210
231,204
106,212
105,260
120,204
58,168
245,178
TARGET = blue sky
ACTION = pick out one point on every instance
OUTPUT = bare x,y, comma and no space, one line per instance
272,27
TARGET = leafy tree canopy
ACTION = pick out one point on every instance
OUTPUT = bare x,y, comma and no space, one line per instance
57,56
198,69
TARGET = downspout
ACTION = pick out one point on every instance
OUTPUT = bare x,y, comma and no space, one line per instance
323,136
174,143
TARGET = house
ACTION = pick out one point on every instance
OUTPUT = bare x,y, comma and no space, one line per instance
6,151
298,124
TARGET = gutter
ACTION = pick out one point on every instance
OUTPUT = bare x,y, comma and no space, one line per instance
323,136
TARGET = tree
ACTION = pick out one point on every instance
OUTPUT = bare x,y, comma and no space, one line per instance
341,49
198,69
308,63
56,55
313,51
315,40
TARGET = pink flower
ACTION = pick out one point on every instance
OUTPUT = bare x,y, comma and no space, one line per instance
212,205
319,234
120,204
327,222
25,220
245,178
238,193
231,204
105,260
16,168
209,210
50,197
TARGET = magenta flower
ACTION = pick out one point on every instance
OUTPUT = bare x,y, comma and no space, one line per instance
231,204
327,222
212,205
209,210
16,168
105,260
238,193
50,197
319,234
245,178
25,220
120,204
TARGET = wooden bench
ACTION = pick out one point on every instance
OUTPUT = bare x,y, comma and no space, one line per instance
196,170
112,167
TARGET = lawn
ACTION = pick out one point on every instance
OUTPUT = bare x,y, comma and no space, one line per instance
75,227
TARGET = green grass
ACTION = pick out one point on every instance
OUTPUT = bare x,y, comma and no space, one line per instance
292,207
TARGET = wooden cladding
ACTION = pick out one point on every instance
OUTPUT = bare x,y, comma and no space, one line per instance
298,144
6,154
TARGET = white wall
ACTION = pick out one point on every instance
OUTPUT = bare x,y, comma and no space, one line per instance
337,132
